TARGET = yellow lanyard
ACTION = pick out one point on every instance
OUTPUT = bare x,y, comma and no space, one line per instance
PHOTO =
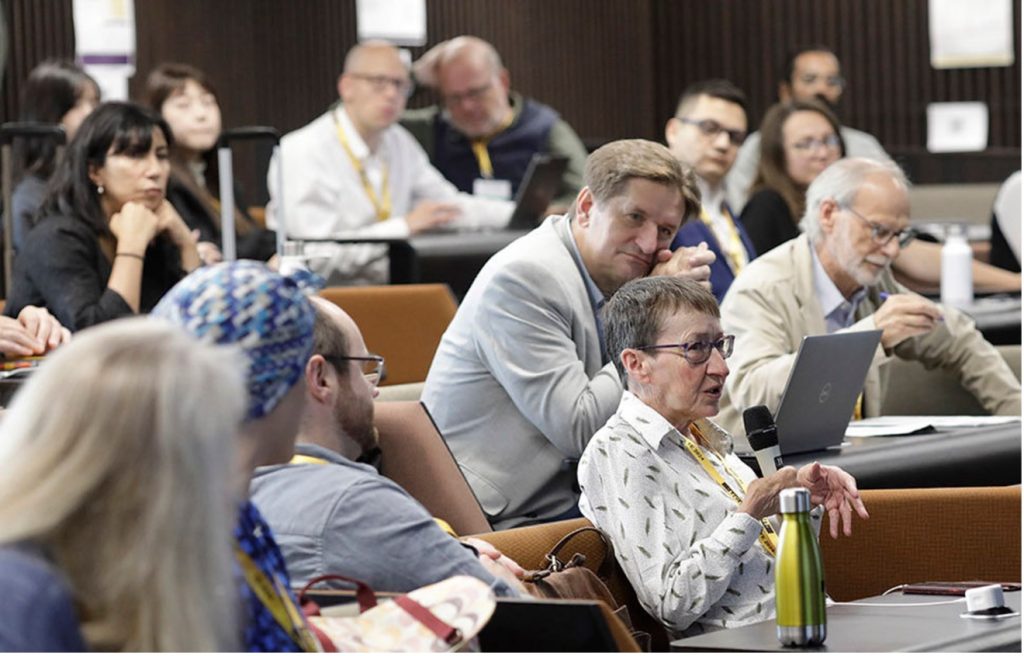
768,538
733,248
299,459
275,598
479,146
382,205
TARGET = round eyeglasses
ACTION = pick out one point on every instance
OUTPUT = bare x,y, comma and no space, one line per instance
697,352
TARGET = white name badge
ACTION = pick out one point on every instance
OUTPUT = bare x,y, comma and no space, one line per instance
497,189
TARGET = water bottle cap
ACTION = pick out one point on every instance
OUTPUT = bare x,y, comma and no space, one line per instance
795,499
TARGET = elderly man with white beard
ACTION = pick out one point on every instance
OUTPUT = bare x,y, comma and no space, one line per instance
837,277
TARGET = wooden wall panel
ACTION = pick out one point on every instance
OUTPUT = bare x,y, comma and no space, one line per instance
883,45
613,68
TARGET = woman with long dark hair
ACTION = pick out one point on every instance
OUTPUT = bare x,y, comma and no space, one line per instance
187,100
106,243
59,92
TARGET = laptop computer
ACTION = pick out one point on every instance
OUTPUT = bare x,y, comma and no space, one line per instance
822,389
541,183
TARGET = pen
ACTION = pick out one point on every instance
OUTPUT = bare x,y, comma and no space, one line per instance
885,295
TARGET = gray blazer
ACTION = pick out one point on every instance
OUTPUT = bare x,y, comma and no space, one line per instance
517,386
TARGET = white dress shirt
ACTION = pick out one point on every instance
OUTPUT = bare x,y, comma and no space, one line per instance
695,563
324,196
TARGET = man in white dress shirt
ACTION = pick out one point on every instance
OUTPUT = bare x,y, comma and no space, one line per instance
354,173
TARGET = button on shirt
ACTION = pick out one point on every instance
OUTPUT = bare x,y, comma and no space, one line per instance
839,312
695,563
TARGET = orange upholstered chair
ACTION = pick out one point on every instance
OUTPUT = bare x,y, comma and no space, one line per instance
404,323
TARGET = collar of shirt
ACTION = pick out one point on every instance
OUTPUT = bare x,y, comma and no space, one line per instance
654,428
712,198
837,310
355,140
597,298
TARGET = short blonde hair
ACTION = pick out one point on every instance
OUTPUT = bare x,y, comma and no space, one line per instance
117,458
610,168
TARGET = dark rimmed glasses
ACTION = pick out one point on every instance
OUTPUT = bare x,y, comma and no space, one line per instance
697,352
882,235
372,365
710,128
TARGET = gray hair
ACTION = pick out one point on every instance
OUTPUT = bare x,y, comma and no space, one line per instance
635,314
840,182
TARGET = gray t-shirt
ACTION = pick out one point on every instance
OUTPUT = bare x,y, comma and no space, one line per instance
344,518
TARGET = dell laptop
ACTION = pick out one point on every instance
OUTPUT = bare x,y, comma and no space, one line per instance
822,390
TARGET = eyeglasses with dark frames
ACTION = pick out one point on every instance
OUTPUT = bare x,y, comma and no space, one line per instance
697,352
882,235
711,128
372,365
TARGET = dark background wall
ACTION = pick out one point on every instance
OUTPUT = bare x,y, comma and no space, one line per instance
613,68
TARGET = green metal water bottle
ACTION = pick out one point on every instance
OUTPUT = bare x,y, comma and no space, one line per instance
799,577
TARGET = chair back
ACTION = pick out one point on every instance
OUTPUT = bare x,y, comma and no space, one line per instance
415,456
404,323
918,535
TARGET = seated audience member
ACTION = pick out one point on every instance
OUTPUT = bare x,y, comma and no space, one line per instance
709,125
799,140
56,91
1006,231
115,510
520,380
484,131
653,477
836,277
244,303
354,173
34,332
107,243
186,99
809,73
331,514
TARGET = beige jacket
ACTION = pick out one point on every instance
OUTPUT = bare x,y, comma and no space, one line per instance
772,305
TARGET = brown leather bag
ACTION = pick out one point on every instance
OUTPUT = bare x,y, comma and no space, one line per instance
570,579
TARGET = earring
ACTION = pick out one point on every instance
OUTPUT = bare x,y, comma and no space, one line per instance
99,189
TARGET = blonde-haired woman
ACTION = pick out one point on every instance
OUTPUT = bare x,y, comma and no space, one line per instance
116,501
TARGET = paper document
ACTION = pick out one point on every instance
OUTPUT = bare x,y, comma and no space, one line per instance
895,425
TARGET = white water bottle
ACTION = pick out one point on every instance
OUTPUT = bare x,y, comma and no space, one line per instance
957,283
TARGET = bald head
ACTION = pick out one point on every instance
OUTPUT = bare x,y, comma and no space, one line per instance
370,51
374,88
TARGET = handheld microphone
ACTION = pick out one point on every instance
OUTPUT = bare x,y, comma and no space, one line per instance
763,438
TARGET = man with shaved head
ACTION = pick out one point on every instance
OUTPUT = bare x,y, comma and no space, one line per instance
483,135
354,173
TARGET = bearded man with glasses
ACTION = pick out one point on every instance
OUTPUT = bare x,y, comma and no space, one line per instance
837,277
690,523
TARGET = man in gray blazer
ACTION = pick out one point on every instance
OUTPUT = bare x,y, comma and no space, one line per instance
520,381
